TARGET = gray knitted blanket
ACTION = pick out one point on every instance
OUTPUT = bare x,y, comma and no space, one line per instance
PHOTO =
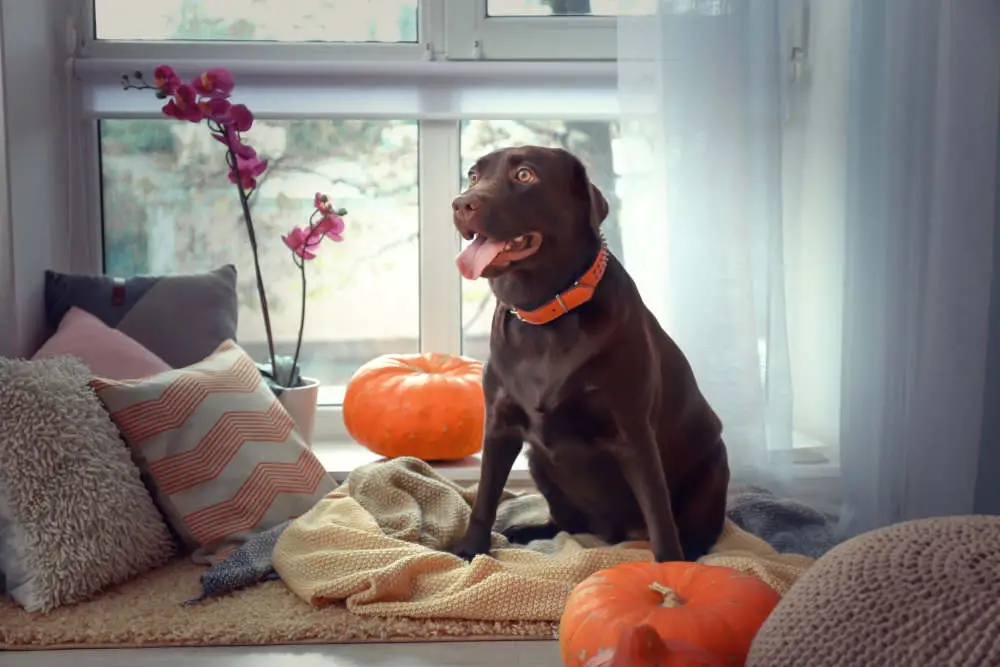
250,564
787,525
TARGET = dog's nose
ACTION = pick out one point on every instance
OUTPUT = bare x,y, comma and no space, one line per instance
464,205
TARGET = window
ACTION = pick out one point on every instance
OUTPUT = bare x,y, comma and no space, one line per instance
168,207
473,29
347,102
569,7
542,29
260,20
381,103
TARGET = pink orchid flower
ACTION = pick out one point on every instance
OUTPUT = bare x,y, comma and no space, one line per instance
214,108
322,203
331,226
183,105
303,242
217,82
240,117
249,169
166,80
231,137
223,112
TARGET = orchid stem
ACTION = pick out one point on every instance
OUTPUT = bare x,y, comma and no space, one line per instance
301,263
245,203
302,318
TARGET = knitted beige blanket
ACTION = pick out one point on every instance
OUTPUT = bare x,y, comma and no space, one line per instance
378,543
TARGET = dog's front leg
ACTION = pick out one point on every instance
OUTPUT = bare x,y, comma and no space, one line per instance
639,458
502,442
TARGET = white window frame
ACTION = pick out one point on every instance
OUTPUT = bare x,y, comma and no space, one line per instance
419,81
471,34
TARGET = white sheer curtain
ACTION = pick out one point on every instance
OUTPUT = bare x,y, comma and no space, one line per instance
701,90
922,156
818,239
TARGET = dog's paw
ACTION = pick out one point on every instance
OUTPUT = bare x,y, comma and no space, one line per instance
471,545
529,533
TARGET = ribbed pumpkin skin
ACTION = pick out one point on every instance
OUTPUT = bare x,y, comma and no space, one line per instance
641,646
719,611
429,406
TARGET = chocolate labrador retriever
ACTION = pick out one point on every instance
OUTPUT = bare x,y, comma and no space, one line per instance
622,444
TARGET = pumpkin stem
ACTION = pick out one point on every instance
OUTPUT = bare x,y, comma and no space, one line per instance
670,597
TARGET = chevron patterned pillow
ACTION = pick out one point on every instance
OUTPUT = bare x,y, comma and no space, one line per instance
220,454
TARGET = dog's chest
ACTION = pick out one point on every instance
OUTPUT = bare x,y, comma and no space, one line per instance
530,386
563,423
554,388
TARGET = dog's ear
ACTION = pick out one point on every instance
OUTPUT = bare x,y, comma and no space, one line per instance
598,206
589,193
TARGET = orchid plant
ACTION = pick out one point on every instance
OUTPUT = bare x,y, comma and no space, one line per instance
207,99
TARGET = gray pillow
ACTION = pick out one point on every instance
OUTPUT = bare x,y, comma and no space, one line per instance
75,516
182,318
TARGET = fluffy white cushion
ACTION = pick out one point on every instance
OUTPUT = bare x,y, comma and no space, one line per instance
75,516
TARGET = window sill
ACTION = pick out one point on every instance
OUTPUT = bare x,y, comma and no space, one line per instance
340,457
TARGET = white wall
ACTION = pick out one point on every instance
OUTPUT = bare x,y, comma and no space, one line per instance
7,320
34,216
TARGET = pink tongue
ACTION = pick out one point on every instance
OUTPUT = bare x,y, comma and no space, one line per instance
477,256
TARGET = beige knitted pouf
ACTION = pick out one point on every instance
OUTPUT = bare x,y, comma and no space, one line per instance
917,594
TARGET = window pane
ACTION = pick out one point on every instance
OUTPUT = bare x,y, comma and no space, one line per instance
594,142
259,20
168,207
570,7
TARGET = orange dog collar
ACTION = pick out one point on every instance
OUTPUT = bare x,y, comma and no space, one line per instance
575,296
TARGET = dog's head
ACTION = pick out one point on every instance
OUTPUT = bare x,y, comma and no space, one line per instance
523,206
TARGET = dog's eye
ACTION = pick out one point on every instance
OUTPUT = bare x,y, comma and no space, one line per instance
524,175
473,177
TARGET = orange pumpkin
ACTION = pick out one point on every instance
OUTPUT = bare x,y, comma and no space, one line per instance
640,646
429,406
714,608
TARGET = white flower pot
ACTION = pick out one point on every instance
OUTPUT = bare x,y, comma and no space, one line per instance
300,403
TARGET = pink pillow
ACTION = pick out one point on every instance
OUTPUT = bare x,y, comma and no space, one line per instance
108,352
